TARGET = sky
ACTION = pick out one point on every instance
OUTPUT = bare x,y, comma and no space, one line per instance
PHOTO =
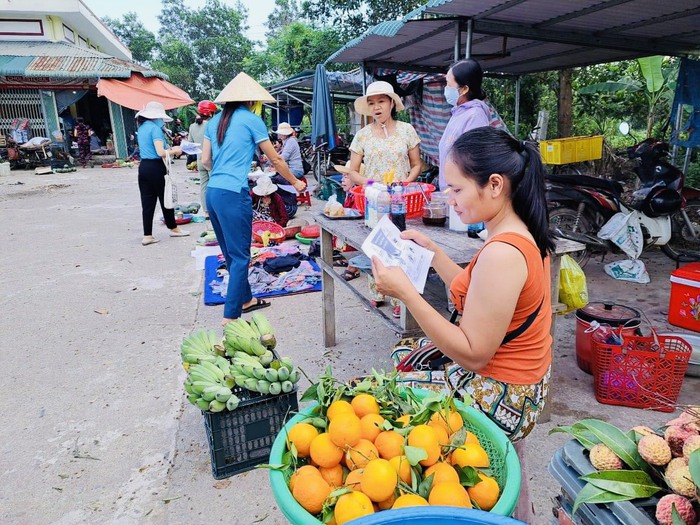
148,11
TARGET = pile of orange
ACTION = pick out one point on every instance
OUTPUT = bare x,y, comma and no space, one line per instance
357,451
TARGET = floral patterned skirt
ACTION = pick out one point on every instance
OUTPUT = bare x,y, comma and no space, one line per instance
513,408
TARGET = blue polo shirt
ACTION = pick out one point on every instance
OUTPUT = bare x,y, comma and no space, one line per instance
148,132
231,159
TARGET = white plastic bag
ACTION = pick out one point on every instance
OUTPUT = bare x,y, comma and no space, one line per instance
170,194
624,231
333,208
628,270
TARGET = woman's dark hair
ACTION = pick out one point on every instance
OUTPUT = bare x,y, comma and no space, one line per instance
79,120
468,73
483,151
226,113
140,120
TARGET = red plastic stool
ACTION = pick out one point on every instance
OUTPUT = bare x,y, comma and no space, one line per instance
305,196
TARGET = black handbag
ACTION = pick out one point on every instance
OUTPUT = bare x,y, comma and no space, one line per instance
431,358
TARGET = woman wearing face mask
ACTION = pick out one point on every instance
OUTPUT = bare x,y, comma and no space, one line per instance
151,140
384,145
469,111
230,141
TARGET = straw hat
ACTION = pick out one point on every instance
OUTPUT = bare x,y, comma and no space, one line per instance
264,186
284,129
154,110
243,89
377,88
346,169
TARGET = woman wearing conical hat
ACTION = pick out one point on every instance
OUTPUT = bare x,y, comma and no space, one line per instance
230,141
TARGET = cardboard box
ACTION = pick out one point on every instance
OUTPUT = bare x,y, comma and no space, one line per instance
684,304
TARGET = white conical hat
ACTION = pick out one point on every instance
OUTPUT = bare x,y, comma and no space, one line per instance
243,88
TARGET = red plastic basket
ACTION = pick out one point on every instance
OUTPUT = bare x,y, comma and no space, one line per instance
414,200
262,226
642,372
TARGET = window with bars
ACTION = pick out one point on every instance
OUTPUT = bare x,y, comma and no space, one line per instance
22,103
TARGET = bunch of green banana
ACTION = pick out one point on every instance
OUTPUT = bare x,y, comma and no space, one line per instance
201,345
239,336
263,326
208,385
249,372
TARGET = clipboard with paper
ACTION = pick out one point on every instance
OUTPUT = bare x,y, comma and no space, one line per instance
385,243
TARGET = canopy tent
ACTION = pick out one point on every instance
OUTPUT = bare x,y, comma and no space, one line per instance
525,36
136,91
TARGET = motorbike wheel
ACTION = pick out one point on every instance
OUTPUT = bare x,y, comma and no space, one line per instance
683,247
568,220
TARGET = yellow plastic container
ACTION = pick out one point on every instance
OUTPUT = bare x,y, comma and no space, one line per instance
571,149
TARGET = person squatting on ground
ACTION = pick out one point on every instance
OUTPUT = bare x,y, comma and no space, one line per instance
82,137
152,170
205,111
291,154
267,204
230,141
496,179
384,145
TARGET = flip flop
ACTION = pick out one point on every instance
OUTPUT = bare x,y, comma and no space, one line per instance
149,241
349,275
257,306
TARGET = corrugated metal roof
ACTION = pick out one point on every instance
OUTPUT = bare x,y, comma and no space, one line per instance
64,60
525,36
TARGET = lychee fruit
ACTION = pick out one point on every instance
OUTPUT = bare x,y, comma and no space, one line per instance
681,483
654,450
674,464
664,510
691,445
689,418
603,458
675,437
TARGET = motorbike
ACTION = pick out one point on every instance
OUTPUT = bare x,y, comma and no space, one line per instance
32,154
667,210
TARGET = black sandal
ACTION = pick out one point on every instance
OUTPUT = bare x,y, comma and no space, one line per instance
256,306
349,275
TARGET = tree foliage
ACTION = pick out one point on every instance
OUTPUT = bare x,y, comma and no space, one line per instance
141,42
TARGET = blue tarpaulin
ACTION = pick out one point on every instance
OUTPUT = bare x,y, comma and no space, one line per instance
688,99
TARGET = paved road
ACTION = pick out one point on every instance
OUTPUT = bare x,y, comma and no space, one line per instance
95,425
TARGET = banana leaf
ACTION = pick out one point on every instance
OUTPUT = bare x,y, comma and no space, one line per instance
694,464
624,84
617,441
631,483
652,72
592,494
676,517
580,433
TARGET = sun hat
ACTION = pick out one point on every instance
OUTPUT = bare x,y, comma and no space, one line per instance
154,110
284,129
264,186
377,88
243,88
346,169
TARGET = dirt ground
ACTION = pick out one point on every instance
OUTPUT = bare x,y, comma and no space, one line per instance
96,428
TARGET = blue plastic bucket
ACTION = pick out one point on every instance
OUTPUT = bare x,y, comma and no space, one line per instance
433,515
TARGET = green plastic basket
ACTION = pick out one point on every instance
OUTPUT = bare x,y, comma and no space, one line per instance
505,464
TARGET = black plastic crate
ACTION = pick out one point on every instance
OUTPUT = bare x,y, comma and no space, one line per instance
242,439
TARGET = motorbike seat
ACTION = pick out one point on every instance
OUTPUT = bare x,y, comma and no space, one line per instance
586,180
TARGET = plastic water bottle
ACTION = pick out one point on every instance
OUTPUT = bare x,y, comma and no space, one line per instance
369,202
383,204
398,206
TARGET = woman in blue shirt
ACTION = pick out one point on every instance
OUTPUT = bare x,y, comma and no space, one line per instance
152,169
230,141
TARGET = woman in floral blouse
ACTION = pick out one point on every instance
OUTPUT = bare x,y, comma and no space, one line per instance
384,145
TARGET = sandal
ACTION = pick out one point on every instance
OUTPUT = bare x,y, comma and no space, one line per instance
256,306
340,263
349,275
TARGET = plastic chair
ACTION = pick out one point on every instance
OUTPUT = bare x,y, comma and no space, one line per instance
305,196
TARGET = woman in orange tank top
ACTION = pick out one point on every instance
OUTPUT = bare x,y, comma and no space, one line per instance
505,290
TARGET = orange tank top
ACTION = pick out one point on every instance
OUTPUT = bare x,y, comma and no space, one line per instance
525,359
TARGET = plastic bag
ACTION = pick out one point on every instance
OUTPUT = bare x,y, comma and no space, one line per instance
624,231
628,270
573,291
333,207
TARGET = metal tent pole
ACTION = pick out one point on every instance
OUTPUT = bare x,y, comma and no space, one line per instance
468,44
517,104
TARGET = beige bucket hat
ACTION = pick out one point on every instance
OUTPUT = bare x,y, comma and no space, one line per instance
377,88
284,129
154,110
264,186
243,88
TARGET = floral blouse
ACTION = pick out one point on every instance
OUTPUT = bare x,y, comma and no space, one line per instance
381,154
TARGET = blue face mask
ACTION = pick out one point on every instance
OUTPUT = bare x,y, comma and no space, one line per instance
451,95
159,122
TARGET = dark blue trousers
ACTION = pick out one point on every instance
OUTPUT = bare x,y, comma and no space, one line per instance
231,215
